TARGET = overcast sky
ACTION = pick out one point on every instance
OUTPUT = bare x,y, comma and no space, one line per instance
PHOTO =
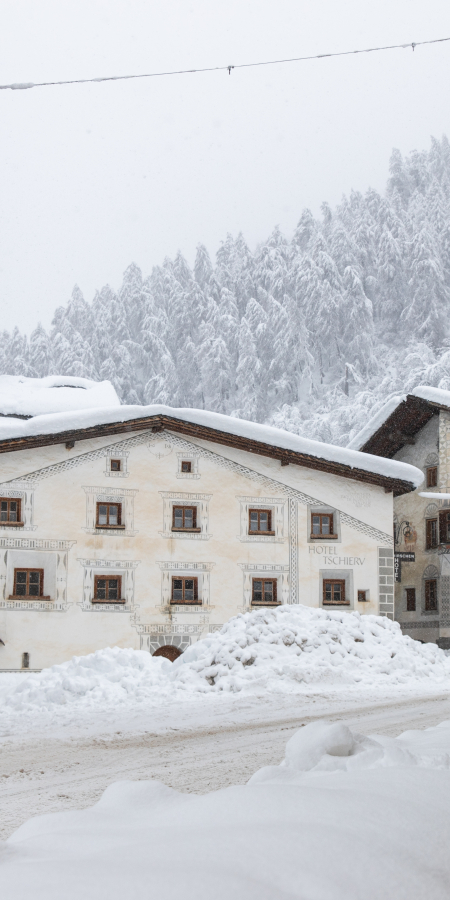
96,176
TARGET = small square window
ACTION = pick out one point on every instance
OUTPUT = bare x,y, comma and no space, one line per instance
29,584
108,589
185,590
10,511
411,599
362,597
264,591
109,515
260,521
184,518
432,474
116,465
322,525
334,592
186,466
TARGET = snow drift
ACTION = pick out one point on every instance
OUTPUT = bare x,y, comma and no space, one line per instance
343,817
268,650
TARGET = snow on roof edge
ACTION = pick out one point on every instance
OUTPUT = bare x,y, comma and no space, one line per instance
79,419
375,422
434,395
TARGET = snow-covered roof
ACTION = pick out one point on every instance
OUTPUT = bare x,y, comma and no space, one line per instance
20,396
435,396
68,424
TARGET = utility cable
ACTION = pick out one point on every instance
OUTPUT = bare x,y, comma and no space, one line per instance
21,86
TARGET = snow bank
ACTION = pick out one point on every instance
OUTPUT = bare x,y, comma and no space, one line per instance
279,650
20,396
275,437
343,817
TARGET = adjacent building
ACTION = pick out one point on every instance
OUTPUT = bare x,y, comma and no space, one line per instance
415,429
149,527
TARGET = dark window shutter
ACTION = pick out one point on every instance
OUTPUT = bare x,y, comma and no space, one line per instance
195,589
275,590
443,526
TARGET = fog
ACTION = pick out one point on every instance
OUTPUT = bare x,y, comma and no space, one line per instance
94,176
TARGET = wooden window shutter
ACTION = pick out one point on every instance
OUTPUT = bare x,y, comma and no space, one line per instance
444,521
195,589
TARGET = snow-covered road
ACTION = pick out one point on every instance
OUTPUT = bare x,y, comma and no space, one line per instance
195,747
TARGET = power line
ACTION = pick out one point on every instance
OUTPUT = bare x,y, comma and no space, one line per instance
21,86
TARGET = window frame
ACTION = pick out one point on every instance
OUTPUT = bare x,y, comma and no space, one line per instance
429,544
117,467
108,578
188,470
362,596
185,506
119,515
432,476
333,602
274,582
19,521
29,569
428,583
411,601
258,511
323,537
195,602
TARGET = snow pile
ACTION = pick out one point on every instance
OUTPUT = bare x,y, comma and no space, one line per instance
20,396
278,650
343,817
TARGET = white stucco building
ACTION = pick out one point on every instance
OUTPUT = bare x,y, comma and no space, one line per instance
149,527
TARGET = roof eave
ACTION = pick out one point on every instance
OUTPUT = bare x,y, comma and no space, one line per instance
159,423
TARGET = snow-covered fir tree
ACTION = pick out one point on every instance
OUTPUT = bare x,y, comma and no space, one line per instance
311,334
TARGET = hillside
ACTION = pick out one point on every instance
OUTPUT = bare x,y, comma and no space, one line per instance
310,334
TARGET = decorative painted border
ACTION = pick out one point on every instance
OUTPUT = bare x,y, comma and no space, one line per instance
127,566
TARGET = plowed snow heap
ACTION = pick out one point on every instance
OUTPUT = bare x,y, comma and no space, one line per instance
281,650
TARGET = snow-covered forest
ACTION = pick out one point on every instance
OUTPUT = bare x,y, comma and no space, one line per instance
311,334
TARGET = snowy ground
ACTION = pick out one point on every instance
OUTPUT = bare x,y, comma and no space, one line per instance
210,721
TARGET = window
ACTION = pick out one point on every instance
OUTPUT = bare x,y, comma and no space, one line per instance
186,465
322,525
410,599
334,592
264,591
116,465
108,589
10,512
431,594
432,476
184,590
184,518
362,596
444,527
431,536
29,584
109,515
260,521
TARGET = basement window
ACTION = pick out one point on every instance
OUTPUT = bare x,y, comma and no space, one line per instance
10,511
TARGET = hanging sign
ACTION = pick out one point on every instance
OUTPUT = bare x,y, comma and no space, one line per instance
398,559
